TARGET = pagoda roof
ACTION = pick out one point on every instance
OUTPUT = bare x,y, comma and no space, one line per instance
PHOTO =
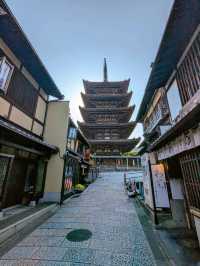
121,144
100,84
89,98
89,129
124,113
96,87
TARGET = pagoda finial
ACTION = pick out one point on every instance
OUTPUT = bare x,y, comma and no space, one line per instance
105,71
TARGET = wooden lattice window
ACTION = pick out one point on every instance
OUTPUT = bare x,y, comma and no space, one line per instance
4,164
188,74
22,93
190,166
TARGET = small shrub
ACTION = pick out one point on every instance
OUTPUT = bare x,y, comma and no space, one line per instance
80,187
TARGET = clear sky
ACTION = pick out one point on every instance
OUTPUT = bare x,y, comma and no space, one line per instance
73,36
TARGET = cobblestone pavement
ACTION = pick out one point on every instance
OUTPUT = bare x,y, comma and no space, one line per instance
105,210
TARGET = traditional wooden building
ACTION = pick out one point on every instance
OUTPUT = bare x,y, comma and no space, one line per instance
25,87
106,114
176,149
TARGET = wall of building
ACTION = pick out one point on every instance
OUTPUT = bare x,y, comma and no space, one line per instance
57,118
9,109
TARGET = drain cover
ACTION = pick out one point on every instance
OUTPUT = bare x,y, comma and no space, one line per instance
79,235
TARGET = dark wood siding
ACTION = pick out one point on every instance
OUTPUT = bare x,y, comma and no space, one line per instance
190,165
188,74
22,93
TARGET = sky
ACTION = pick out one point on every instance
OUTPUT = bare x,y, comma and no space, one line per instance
72,37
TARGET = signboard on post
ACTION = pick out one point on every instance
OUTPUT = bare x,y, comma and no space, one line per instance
160,186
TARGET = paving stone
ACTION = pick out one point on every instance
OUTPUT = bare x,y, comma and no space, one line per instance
102,258
42,241
104,244
82,244
20,253
85,255
49,253
18,262
122,259
105,210
29,241
50,232
56,263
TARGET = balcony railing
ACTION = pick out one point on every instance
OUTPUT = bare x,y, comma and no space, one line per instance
158,114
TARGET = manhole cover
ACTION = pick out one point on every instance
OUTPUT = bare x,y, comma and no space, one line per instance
79,235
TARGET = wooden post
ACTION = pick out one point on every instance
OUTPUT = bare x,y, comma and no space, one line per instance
155,217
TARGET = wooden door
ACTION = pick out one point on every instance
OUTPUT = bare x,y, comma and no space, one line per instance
5,162
14,187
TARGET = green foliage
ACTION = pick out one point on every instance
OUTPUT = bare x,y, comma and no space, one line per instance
131,153
80,187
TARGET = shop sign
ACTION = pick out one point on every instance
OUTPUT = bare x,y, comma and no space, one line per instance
68,181
183,143
72,133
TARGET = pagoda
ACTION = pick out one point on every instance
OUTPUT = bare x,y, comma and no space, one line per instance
106,114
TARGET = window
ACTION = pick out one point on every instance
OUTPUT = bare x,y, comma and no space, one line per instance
174,100
6,70
22,93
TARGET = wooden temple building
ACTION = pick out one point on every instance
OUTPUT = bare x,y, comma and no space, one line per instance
106,114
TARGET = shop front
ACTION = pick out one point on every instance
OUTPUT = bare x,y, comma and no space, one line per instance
181,158
75,172
23,162
71,174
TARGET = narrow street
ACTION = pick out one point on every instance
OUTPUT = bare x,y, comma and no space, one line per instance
115,234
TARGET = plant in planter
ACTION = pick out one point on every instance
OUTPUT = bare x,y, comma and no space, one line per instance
79,188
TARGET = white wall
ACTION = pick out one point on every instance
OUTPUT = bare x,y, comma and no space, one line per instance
56,134
174,100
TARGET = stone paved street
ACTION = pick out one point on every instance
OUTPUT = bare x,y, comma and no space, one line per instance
104,209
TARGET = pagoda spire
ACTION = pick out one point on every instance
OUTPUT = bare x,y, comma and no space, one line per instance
105,71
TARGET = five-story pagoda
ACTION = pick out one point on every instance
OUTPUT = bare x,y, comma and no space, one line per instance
106,114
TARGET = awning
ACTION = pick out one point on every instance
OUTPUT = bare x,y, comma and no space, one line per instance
16,135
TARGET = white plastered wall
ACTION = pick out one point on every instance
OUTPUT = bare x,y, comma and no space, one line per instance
56,134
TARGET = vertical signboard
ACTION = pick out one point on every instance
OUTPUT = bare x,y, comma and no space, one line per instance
160,186
146,181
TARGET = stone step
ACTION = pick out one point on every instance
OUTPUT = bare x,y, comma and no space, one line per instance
12,225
